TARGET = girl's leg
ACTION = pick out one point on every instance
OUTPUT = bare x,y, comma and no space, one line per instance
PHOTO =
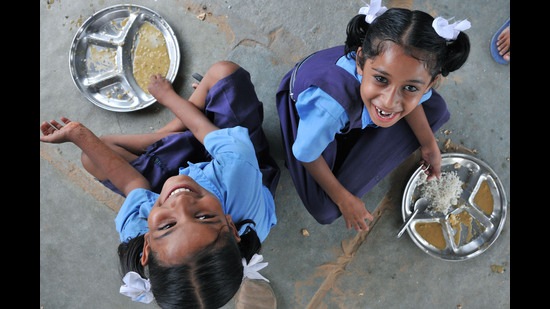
213,75
159,155
314,198
159,160
130,147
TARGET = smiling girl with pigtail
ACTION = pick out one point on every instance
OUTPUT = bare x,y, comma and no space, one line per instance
199,194
350,114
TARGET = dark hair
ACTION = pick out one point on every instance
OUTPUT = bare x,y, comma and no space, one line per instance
208,279
413,31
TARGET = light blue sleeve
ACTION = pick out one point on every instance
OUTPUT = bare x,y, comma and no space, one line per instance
230,143
131,219
238,177
321,117
426,96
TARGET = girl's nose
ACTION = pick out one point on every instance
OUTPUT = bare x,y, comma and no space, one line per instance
390,97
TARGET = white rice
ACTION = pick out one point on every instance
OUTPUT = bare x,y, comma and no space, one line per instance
443,192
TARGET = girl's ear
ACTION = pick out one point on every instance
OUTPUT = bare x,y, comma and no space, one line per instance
145,252
435,82
233,228
359,54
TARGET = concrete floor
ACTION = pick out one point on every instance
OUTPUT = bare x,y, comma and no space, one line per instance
78,263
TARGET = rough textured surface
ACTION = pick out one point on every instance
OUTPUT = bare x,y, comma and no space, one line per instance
332,267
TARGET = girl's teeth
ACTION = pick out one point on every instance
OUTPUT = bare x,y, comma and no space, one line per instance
179,190
382,113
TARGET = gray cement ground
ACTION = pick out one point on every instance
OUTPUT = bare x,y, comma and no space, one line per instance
78,264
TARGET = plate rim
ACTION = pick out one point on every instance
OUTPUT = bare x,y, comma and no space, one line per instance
498,229
113,8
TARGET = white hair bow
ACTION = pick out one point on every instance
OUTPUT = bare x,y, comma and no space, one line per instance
373,10
449,31
137,288
251,269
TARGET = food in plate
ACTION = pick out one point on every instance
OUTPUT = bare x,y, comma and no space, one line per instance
443,192
458,222
150,55
432,232
471,218
484,198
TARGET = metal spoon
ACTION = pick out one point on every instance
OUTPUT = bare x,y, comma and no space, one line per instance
419,206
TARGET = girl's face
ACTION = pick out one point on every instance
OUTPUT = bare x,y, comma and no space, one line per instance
392,85
185,218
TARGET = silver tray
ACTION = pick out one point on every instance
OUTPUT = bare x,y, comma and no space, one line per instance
461,241
109,82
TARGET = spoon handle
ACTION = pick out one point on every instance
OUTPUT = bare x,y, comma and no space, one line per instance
406,223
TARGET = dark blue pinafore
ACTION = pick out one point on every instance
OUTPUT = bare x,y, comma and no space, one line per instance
359,158
231,102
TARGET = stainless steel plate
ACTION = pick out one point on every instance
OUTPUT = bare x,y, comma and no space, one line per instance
109,37
460,241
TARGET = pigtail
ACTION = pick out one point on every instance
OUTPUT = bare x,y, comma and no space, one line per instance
355,33
250,242
457,54
129,254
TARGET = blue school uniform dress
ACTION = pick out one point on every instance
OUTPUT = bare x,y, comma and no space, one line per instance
321,113
231,102
233,176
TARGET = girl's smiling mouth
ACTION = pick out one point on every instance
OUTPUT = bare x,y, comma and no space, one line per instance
385,116
178,190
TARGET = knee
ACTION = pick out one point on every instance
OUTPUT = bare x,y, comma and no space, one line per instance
222,69
217,72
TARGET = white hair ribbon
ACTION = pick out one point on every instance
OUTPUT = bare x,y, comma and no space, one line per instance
450,31
251,269
373,10
137,288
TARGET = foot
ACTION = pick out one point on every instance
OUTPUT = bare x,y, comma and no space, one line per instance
503,44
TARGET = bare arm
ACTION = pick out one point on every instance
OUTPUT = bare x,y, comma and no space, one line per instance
175,125
352,208
117,169
431,155
189,114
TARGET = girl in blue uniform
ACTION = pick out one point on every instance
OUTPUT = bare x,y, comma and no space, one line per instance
351,114
187,229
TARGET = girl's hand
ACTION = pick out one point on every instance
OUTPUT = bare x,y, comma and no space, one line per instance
355,213
159,87
57,133
431,161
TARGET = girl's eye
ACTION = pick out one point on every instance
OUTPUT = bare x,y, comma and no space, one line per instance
411,88
204,217
381,79
166,226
